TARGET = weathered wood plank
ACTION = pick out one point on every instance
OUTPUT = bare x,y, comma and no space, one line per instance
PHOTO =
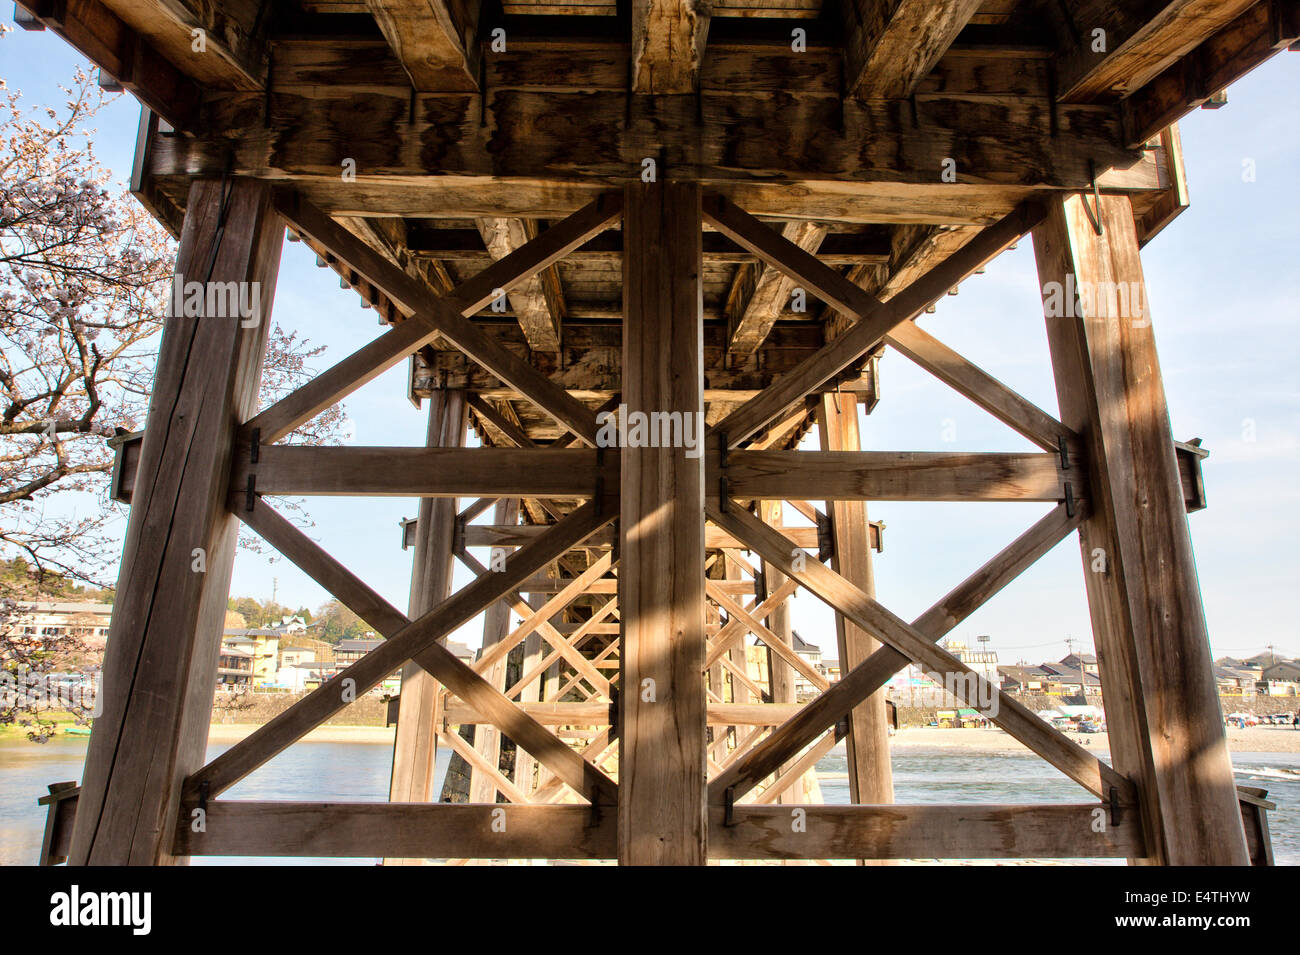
407,640
416,741
180,542
875,319
668,38
1152,643
538,301
434,40
909,642
922,832
891,46
870,770
662,760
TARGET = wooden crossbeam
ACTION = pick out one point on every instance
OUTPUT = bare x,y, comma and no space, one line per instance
434,39
567,649
1222,59
910,643
759,293
573,473
491,535
890,47
875,319
443,830
129,56
774,643
434,316
407,640
735,629
598,713
980,387
538,619
924,832
538,302
793,772
483,769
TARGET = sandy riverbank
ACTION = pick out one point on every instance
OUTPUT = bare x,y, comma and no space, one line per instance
234,732
1255,739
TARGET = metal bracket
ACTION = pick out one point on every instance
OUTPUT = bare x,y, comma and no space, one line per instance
1065,453
825,538
205,790
250,493
1094,218
728,807
1114,806
256,446
1069,499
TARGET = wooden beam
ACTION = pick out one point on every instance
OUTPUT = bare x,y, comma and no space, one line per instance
875,319
974,383
125,54
435,40
599,713
415,745
235,50
662,770
436,316
890,47
1109,49
668,38
574,473
424,831
1162,705
910,643
871,777
759,294
1241,45
180,542
923,832
407,640
538,301
494,535
508,162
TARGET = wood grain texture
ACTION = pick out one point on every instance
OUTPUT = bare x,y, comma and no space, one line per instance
891,46
871,778
668,38
433,39
662,773
415,744
168,617
1152,641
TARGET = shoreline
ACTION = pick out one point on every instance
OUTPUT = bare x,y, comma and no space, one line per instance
1258,739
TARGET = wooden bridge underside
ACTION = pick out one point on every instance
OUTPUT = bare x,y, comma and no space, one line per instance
678,209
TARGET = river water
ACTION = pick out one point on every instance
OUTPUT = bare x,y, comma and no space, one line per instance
360,772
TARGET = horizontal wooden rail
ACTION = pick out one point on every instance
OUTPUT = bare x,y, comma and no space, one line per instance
459,713
488,831
573,473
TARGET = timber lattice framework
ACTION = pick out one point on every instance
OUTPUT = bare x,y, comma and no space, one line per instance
559,209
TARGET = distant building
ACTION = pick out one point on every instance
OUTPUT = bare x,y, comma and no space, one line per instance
351,650
1075,660
234,668
54,619
1280,679
263,646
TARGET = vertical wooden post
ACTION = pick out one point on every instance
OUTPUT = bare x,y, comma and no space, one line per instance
160,665
415,748
1152,645
871,780
662,777
780,675
496,624
525,765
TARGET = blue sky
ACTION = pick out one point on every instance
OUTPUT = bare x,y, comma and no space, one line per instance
1221,287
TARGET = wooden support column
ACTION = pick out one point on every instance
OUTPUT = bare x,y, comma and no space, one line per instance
160,665
415,747
780,675
1152,646
496,624
871,779
661,812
